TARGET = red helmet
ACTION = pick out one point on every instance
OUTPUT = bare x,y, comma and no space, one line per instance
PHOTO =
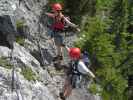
56,6
74,53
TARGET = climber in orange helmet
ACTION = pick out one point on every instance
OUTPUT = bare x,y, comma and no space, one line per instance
57,27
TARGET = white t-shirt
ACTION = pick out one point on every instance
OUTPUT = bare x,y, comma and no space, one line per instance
84,69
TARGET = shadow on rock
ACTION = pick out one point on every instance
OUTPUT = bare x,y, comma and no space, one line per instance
47,57
7,31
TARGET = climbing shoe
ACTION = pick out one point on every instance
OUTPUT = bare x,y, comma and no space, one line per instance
57,66
57,58
62,96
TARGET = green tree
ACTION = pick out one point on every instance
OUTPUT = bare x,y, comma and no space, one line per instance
99,43
112,65
78,9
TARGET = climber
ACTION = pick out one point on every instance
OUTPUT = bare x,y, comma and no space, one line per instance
57,27
76,70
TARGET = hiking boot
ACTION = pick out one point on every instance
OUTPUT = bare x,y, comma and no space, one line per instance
57,66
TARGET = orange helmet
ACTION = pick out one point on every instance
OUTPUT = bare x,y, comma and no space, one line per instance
56,7
74,53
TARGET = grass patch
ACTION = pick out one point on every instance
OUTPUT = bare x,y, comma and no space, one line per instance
20,24
5,63
20,40
93,88
55,72
28,74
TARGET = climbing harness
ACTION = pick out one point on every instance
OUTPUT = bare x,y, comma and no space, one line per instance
76,75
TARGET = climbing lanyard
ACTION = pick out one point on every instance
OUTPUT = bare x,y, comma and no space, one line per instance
38,42
15,85
40,49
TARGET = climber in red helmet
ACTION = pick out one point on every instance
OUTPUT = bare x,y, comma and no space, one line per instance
57,7
57,27
74,53
76,70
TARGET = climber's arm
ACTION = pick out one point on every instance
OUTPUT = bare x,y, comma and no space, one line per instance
91,73
49,14
71,24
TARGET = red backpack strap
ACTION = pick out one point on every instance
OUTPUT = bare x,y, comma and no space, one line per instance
58,24
62,19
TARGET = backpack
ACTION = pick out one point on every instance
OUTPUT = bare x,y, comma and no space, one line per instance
58,25
75,74
61,25
74,66
78,69
86,58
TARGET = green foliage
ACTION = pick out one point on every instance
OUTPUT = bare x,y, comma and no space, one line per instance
100,44
77,10
20,40
104,4
28,74
107,38
5,63
20,24
93,37
119,14
58,1
130,11
95,88
113,83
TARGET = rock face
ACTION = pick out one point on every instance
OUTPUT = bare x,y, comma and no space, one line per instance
26,18
7,7
24,89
